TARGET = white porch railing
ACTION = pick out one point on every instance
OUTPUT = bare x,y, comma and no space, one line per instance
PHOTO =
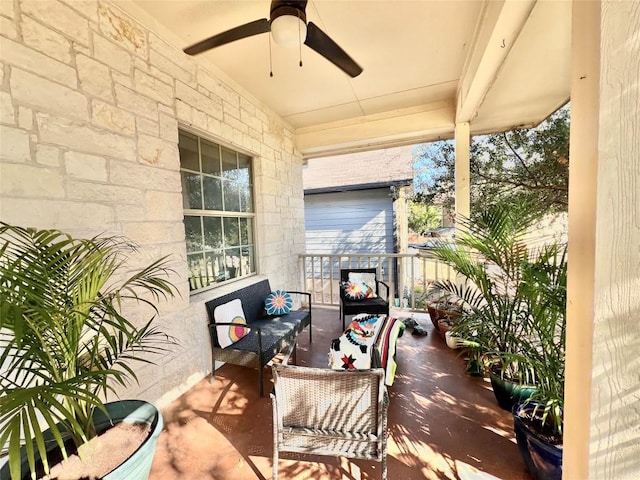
408,275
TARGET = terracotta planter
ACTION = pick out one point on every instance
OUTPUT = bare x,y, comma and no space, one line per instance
444,325
433,315
438,311
138,465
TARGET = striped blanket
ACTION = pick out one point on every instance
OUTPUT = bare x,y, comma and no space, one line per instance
368,342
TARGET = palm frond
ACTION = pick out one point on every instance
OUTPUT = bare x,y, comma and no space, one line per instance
66,338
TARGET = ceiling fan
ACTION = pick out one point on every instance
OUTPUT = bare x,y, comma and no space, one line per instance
288,26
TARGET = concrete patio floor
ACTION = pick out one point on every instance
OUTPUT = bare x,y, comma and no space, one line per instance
443,424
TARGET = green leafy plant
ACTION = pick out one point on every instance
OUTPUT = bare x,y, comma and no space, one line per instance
542,350
65,339
513,296
488,257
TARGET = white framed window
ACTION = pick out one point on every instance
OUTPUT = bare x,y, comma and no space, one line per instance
217,195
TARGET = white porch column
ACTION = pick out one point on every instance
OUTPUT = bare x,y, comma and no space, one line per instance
462,189
585,76
602,436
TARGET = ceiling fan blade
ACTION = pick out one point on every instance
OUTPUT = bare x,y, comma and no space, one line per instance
243,31
320,42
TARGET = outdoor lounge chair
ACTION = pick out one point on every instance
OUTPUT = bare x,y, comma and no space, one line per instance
328,412
377,304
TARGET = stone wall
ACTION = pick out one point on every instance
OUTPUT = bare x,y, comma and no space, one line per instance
91,102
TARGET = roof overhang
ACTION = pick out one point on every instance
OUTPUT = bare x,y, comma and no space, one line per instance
428,65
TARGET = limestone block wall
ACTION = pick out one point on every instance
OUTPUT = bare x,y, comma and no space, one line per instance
90,106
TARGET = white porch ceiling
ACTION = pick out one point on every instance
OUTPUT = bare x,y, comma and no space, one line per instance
427,65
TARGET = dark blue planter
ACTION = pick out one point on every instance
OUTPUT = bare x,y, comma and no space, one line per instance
543,459
138,465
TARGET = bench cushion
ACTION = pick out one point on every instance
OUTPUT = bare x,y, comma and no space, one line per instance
230,312
252,298
276,333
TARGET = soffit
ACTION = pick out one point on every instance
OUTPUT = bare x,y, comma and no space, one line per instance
415,55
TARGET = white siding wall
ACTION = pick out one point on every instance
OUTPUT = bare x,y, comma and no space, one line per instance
350,222
91,102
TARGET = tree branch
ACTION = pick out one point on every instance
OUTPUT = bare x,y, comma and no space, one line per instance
505,180
520,159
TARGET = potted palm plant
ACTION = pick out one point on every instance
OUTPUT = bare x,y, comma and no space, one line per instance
488,260
538,421
514,308
66,343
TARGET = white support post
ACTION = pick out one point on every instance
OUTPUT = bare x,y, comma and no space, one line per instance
462,173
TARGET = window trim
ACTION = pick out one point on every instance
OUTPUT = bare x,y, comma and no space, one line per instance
252,214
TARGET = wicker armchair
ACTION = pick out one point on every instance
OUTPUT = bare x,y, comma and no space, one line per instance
329,412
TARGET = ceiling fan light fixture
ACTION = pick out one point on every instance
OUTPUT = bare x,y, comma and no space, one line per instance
288,31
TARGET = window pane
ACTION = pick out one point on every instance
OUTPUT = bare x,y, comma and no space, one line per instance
246,236
212,233
215,180
231,232
212,193
191,193
231,195
197,272
229,160
193,233
188,147
215,264
232,261
210,157
247,261
244,183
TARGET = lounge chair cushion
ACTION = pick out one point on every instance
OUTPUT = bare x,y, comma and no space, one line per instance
369,279
355,290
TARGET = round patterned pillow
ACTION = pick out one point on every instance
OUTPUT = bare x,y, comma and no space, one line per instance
355,290
278,303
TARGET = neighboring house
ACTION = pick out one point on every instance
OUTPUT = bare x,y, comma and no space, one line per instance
356,203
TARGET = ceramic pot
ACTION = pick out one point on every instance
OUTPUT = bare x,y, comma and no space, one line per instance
508,392
452,342
543,459
444,325
433,315
138,465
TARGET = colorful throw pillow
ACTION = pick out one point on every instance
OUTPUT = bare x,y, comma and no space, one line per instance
230,312
278,303
355,290
369,279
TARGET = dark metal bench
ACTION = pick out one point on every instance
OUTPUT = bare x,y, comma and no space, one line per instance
268,335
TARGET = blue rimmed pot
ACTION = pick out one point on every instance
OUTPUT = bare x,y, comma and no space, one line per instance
542,457
507,392
138,465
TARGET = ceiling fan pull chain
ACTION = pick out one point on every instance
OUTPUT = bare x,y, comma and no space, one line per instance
270,61
299,40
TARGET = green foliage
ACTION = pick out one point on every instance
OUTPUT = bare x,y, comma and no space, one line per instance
526,165
423,217
513,298
65,340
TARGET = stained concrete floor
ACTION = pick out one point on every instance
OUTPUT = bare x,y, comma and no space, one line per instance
443,424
